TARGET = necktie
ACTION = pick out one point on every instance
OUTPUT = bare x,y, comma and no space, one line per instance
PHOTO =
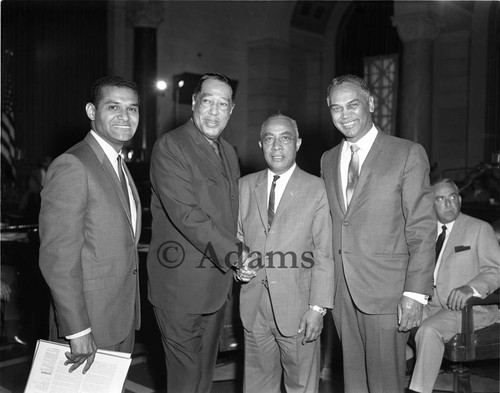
270,207
352,174
216,147
123,181
440,241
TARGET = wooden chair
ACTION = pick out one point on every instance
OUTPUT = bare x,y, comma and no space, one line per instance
471,345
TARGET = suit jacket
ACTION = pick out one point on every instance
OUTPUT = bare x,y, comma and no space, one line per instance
301,232
88,250
471,257
195,212
385,240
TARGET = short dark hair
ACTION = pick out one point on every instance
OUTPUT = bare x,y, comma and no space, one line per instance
349,78
213,75
115,81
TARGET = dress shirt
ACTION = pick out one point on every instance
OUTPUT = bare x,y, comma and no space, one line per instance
365,144
280,185
112,156
449,228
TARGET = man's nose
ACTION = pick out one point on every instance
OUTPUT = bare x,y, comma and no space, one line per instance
123,114
214,108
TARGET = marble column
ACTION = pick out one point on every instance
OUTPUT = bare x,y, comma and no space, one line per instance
145,16
417,31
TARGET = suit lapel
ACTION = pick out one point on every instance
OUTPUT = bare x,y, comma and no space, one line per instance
137,203
204,147
261,196
290,190
454,238
337,180
368,164
111,174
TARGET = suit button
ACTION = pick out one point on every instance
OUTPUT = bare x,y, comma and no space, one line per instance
340,252
346,223
134,271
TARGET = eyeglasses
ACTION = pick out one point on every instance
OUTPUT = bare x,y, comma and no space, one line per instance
284,139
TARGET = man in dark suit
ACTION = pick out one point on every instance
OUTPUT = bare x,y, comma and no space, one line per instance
383,239
467,265
90,222
286,223
194,205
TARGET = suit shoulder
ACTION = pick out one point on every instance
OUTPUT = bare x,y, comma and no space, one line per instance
251,178
470,221
401,143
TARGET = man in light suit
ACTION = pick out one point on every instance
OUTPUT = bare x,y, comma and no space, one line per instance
383,239
467,265
288,229
90,223
194,174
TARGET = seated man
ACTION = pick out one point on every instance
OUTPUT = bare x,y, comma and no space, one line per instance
467,264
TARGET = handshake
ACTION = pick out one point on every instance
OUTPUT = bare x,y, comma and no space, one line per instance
248,269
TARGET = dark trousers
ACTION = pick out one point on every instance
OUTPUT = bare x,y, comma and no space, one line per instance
191,343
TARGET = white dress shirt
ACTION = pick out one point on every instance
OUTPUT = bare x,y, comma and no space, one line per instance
280,185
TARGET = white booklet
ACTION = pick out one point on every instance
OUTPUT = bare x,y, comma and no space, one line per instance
49,374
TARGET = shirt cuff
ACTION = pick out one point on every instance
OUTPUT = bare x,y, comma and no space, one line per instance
476,293
80,334
417,296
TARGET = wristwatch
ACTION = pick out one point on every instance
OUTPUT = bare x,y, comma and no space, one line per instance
319,309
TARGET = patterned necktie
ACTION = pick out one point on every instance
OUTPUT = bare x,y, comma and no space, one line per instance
440,241
353,173
123,181
270,207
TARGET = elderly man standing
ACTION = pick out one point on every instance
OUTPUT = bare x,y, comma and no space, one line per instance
194,249
467,265
383,239
285,220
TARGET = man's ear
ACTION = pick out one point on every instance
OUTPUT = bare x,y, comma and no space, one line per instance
90,109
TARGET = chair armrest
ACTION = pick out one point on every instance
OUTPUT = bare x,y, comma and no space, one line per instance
468,321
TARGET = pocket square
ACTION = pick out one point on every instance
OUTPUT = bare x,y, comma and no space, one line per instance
462,248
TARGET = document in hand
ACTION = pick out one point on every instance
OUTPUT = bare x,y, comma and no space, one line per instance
49,374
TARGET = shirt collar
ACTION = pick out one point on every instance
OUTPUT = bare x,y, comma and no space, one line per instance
283,177
366,142
108,149
449,226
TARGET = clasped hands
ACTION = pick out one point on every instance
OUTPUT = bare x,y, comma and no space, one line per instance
245,273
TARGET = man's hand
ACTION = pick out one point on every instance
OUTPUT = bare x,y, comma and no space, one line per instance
311,323
244,274
409,313
82,348
249,268
458,297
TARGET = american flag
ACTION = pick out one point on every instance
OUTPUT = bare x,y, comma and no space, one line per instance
8,131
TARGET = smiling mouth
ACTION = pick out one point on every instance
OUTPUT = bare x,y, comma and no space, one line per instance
349,124
121,126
